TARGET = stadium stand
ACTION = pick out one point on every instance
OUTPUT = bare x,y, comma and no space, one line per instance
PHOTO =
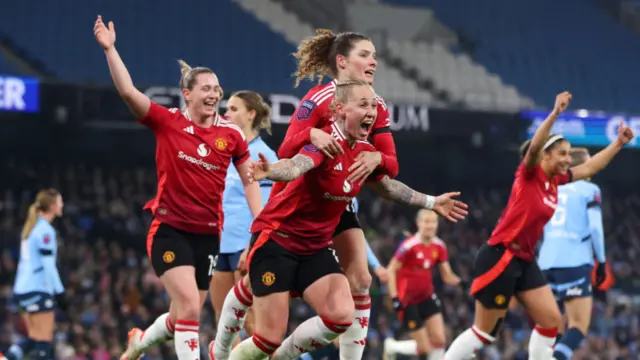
545,46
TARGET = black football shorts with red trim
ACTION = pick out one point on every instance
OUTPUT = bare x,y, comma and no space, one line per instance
348,220
413,316
274,269
169,247
499,275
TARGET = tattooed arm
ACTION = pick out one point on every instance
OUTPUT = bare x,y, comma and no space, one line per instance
401,193
290,169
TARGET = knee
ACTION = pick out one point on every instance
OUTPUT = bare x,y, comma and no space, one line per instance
360,280
272,329
552,319
338,311
188,309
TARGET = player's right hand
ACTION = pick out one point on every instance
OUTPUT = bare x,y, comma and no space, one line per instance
259,170
326,143
397,304
452,209
562,102
106,36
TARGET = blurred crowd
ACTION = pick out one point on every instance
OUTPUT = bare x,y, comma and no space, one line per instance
111,286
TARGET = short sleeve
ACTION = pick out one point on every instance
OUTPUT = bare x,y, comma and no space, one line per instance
241,151
528,173
594,198
314,153
444,254
383,119
157,115
402,254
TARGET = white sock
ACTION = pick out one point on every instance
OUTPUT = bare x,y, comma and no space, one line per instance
160,331
315,333
352,342
232,317
467,344
402,347
541,343
436,354
253,348
186,339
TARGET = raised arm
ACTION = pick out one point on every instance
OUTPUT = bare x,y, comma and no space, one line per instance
138,102
382,139
600,160
544,130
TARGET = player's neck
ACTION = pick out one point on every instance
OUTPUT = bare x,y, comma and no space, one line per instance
47,216
350,140
547,170
425,239
250,135
202,121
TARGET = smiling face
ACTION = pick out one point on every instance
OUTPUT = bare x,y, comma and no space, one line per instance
202,93
557,158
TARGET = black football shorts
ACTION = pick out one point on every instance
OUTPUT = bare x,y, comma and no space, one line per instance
499,275
169,247
274,269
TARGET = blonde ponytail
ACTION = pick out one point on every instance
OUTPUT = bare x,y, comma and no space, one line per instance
265,117
44,200
30,222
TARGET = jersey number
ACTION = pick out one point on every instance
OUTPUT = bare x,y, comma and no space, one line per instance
212,263
560,216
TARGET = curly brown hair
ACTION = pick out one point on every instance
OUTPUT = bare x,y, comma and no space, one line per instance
316,56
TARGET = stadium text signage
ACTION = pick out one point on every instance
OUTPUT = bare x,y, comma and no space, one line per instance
582,128
19,94
403,117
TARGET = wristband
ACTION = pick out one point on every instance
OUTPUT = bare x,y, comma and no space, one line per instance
430,203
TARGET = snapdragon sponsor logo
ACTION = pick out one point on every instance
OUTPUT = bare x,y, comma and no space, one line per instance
199,162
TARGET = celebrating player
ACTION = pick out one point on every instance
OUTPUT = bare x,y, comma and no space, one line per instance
290,248
247,110
505,266
194,150
566,256
38,288
411,287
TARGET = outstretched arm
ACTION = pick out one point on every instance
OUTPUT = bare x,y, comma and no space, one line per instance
290,169
401,193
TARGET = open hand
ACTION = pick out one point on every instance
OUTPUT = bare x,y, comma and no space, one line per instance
453,210
106,36
259,170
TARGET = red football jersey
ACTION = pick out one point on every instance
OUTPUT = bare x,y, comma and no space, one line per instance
415,278
314,112
192,164
532,202
303,217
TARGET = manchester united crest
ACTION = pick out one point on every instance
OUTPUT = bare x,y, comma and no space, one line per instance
168,257
268,278
221,144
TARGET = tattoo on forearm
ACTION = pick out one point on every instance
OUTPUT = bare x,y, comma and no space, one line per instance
395,190
290,169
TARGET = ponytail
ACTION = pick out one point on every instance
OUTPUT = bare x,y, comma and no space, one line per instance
30,222
44,200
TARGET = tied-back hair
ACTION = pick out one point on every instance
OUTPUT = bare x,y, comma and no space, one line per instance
343,90
254,102
44,200
189,75
549,144
316,56
578,156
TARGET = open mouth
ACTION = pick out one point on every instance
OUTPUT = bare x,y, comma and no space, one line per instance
210,104
370,72
366,126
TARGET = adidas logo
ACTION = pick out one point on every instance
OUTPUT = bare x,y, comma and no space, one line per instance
338,167
189,129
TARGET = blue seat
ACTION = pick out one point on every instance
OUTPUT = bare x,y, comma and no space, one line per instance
151,36
545,46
